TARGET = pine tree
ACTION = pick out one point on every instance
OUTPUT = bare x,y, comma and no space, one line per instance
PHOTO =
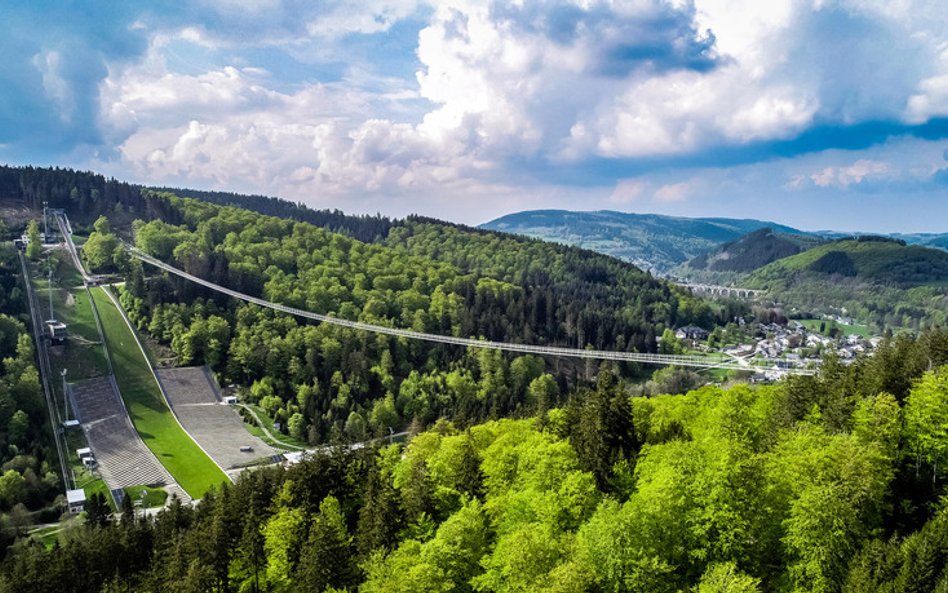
97,510
128,509
251,548
379,517
326,559
470,479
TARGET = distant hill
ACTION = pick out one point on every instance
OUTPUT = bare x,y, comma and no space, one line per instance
877,280
752,251
940,242
933,240
651,241
876,260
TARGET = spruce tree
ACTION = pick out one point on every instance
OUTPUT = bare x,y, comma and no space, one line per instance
326,559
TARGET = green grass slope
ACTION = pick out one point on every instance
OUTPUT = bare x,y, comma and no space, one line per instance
189,465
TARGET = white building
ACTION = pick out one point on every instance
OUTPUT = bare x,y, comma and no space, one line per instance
76,501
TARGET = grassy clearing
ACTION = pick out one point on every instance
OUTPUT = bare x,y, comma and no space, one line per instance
256,431
97,485
846,330
150,497
82,355
189,465
268,422
717,375
47,536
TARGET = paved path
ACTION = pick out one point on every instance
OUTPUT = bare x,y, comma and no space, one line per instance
266,431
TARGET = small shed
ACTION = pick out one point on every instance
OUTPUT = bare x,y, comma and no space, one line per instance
56,330
76,501
86,456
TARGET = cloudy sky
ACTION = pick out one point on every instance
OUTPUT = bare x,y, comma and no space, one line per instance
819,114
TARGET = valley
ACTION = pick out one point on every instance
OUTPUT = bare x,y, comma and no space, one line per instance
553,401
474,297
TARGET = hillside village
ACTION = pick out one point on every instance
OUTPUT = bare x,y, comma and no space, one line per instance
792,343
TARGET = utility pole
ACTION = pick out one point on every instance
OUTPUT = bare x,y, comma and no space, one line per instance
45,224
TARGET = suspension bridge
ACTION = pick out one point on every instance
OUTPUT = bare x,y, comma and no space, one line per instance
703,362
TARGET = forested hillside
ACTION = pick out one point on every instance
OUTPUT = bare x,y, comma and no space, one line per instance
363,228
423,274
86,196
878,260
829,483
326,381
83,194
651,241
29,481
752,251
877,280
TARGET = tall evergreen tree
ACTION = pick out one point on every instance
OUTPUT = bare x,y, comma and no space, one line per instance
326,559
379,517
97,510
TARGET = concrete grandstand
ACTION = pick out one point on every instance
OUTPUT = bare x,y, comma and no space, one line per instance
216,427
123,459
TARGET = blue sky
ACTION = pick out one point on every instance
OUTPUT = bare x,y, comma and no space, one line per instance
817,114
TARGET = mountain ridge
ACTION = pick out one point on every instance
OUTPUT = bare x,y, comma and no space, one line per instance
652,241
658,242
875,259
752,251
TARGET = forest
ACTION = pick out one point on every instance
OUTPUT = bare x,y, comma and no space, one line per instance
827,483
325,382
521,473
29,482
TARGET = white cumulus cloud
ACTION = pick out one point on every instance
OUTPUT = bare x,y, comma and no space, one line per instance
502,87
855,173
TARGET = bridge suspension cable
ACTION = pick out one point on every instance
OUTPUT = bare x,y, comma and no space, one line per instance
659,359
